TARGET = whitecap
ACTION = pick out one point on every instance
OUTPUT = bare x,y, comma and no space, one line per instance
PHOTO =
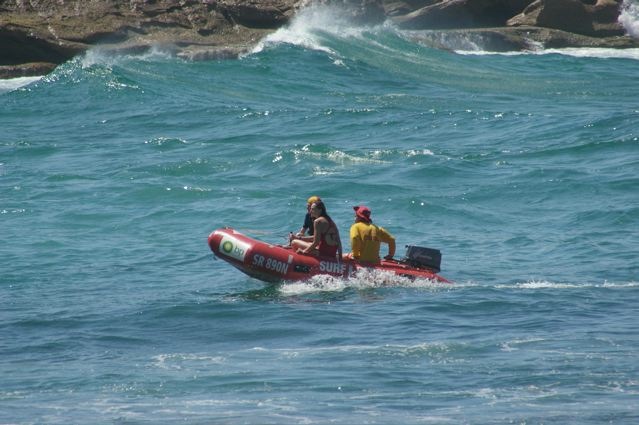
302,30
179,360
308,26
514,345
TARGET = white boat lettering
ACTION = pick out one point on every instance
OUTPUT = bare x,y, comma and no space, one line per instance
332,267
270,264
276,266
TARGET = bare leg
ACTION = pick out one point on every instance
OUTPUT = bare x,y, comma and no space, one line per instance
299,246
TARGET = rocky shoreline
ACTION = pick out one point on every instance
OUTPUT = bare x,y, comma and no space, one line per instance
36,36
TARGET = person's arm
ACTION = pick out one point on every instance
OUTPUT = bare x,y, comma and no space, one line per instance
390,240
391,249
317,225
308,225
304,238
339,245
356,243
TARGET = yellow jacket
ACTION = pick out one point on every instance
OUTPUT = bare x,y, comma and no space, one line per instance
366,239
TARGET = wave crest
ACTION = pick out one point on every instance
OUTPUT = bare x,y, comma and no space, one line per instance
306,29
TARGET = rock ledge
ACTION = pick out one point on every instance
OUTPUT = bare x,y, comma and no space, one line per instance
38,35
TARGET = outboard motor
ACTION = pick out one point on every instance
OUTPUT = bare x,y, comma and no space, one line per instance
418,256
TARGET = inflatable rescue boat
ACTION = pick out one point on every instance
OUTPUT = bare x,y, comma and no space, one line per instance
276,263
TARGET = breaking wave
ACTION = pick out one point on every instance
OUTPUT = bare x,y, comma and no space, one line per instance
15,83
305,27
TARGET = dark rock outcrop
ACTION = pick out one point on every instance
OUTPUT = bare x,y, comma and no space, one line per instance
55,31
461,14
587,17
508,39
511,25
31,69
37,35
597,20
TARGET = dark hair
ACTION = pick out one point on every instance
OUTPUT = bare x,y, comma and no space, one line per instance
322,208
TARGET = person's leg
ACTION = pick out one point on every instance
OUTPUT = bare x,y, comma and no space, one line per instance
299,245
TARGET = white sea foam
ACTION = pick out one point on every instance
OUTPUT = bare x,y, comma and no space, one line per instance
336,156
629,17
99,55
364,279
180,360
514,345
578,52
12,84
595,52
430,347
544,284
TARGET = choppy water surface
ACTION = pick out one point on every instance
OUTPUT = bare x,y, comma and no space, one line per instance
522,169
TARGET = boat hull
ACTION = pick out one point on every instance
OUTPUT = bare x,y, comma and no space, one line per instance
276,263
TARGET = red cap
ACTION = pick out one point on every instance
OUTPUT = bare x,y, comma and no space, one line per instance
363,212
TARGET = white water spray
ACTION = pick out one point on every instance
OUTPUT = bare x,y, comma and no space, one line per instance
629,17
306,27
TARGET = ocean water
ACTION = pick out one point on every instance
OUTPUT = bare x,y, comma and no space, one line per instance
522,169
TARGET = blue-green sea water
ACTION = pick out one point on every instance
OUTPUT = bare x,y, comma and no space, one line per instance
523,169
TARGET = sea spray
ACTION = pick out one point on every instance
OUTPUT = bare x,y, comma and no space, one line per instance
365,279
301,30
629,17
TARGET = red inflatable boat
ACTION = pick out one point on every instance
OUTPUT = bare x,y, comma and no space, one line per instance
276,263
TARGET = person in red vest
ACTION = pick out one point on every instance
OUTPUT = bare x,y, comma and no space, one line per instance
325,241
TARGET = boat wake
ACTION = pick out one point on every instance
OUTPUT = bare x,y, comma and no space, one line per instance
544,284
376,279
363,280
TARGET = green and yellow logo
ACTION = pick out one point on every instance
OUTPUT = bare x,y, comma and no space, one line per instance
227,247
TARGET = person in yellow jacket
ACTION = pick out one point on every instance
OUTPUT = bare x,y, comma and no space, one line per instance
367,237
